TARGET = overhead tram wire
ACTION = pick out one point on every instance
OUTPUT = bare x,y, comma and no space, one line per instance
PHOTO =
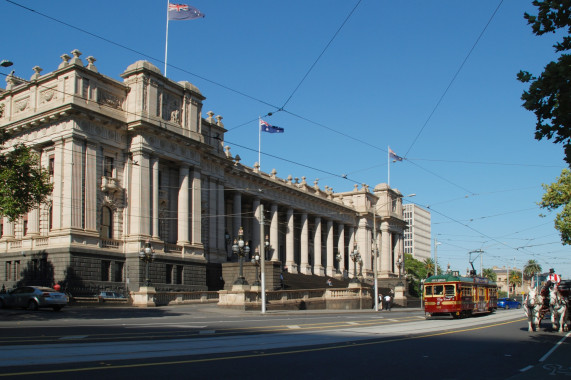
453,78
320,55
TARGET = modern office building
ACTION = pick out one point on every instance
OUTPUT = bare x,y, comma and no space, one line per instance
134,162
417,235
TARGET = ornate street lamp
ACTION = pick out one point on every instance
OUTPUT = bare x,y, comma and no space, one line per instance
399,264
338,259
241,249
147,255
356,257
256,261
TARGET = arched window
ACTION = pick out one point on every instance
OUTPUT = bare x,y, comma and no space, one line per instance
106,223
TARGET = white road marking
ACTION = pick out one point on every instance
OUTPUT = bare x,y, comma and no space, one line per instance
293,327
526,368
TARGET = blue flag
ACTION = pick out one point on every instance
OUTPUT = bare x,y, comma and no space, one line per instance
181,12
267,127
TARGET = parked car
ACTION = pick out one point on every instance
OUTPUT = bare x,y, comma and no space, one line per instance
108,296
509,303
33,298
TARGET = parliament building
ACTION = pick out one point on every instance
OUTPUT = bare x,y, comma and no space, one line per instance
137,161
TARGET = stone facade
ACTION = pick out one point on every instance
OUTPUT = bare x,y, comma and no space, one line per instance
135,161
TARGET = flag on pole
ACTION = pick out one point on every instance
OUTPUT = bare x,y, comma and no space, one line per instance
181,12
267,127
394,156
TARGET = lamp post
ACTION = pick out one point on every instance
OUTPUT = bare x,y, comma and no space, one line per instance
338,259
241,249
227,239
355,256
147,255
6,63
256,261
399,264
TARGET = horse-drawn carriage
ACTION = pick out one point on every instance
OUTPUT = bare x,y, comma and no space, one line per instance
551,299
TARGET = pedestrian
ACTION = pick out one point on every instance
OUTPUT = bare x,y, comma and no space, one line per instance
281,281
381,301
329,283
388,302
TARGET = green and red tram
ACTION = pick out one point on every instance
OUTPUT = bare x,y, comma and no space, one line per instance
458,296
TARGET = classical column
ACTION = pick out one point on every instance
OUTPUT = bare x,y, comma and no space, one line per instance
196,190
290,260
183,213
212,217
351,247
221,218
237,214
155,166
317,261
341,248
57,192
274,232
34,222
385,250
8,229
305,268
91,190
140,199
330,251
256,226
72,192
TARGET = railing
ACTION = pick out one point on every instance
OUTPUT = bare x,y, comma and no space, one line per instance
40,242
179,298
172,248
110,243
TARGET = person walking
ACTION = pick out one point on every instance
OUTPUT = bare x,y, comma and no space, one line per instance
388,302
380,301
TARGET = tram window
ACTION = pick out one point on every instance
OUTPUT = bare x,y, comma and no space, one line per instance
438,290
428,290
449,290
466,291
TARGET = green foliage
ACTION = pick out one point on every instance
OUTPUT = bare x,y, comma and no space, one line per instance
515,278
558,196
549,94
531,268
24,184
490,274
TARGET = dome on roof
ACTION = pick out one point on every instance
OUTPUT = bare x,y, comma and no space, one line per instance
143,65
189,86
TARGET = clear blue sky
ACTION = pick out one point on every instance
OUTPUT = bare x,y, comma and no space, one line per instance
432,80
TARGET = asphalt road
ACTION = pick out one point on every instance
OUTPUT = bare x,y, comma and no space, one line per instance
207,342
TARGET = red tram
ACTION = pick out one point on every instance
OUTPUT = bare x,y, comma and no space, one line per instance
452,294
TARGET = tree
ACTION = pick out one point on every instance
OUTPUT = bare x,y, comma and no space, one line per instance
556,196
24,184
490,274
531,268
515,279
429,267
549,94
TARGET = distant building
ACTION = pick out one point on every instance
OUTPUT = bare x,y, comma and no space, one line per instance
502,281
417,235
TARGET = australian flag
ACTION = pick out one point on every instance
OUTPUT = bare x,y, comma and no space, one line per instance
267,127
394,156
183,12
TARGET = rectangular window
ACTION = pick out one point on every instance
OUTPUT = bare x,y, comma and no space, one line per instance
8,271
179,274
16,270
428,290
449,290
439,290
51,165
108,166
168,274
105,268
85,89
118,271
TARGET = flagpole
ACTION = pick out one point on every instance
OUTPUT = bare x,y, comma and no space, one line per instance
389,166
167,38
259,143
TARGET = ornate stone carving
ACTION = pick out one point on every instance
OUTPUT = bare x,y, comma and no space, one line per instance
48,95
110,100
22,104
2,106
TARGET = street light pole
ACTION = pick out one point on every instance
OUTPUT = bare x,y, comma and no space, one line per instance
240,248
147,255
264,243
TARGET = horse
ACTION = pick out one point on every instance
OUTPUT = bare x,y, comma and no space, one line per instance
534,310
558,309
